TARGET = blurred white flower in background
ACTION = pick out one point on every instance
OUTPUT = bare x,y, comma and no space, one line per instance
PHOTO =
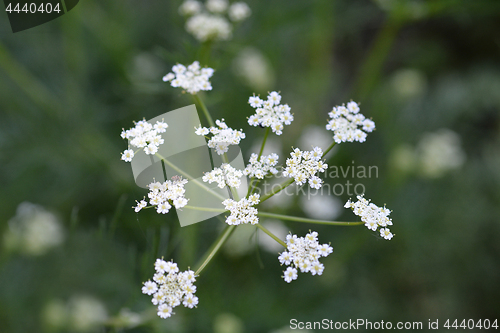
439,152
217,6
255,69
313,136
321,207
228,323
436,154
86,313
190,7
126,319
409,83
33,230
239,11
205,27
209,21
81,313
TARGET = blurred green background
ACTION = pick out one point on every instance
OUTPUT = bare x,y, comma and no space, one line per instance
427,73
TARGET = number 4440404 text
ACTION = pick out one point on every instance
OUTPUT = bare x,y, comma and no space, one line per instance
33,8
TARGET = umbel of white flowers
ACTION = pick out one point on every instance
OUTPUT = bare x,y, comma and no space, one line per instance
303,166
270,113
260,168
223,136
345,121
164,195
170,288
143,135
192,78
225,175
242,211
303,253
372,215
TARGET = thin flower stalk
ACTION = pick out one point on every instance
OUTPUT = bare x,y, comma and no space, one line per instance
306,220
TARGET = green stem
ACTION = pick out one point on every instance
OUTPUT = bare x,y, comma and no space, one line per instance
253,185
189,177
205,52
263,142
271,234
277,190
329,148
372,67
204,109
215,247
164,171
205,209
305,220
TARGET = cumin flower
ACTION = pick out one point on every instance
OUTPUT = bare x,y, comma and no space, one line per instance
222,136
304,165
242,211
303,253
270,113
170,288
225,175
372,215
260,168
164,195
145,136
348,125
192,78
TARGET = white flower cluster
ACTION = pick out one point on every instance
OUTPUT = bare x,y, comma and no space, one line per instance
303,166
372,215
344,123
143,135
33,230
223,136
242,211
192,79
225,175
439,152
260,168
270,113
163,195
208,22
170,288
304,254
